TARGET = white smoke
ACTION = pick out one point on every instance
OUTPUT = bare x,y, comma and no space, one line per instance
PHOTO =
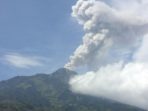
128,84
115,47
112,31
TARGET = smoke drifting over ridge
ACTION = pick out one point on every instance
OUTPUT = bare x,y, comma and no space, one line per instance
115,49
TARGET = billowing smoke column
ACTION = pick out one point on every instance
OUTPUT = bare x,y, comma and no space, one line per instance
115,49
112,31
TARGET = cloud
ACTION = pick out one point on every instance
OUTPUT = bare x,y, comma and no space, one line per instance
114,49
22,61
126,84
142,54
111,31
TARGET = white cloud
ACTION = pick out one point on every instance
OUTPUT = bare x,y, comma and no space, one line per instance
126,84
142,54
22,61
115,30
111,30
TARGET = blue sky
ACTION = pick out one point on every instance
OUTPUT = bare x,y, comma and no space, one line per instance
36,36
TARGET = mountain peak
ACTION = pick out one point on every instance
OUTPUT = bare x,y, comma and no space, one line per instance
65,70
63,74
51,92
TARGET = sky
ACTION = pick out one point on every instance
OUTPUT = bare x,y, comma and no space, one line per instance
36,36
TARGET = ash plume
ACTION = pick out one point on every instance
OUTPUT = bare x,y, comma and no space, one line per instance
112,31
114,48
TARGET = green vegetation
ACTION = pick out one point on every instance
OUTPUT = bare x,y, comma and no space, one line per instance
51,93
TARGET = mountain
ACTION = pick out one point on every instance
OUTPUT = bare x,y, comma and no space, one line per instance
51,92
